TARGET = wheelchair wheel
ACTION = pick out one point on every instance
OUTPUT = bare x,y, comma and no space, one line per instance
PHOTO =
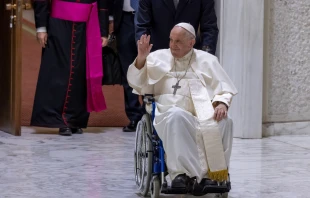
155,187
143,155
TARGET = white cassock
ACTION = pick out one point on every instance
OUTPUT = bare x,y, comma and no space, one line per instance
180,118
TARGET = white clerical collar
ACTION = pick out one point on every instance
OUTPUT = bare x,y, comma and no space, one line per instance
186,57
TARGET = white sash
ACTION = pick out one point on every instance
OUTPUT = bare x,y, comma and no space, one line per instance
209,139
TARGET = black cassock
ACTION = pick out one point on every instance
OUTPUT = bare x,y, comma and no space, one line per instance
60,99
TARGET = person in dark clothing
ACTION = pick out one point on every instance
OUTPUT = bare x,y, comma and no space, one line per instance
158,17
64,29
122,16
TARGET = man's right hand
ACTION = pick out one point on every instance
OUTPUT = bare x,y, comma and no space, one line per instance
144,49
42,38
220,112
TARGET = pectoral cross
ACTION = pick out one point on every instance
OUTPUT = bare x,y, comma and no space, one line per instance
175,87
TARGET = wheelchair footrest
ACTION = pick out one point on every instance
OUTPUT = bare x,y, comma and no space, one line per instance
197,190
223,188
168,190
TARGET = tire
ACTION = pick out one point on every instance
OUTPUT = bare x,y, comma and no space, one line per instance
155,187
143,155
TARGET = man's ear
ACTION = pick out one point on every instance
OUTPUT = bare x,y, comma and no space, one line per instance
193,41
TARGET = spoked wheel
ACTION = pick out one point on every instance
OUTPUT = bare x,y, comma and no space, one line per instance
155,187
143,155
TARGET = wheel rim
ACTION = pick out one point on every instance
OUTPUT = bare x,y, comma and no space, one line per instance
135,154
141,155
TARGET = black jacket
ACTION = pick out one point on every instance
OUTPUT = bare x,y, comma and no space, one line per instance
116,10
158,17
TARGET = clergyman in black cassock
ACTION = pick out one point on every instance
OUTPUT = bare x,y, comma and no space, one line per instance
60,99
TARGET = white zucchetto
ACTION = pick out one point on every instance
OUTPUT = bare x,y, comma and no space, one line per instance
187,27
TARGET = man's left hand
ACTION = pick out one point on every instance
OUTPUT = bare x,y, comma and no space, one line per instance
220,112
104,41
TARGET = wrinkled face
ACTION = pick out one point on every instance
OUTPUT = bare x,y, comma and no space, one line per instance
181,42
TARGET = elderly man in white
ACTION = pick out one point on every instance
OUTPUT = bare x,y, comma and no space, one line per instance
192,94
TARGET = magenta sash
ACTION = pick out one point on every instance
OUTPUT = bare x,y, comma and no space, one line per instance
80,12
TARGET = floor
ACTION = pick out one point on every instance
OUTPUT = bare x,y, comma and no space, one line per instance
99,164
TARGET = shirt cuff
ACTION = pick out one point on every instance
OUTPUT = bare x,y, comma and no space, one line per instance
111,18
41,29
133,70
224,98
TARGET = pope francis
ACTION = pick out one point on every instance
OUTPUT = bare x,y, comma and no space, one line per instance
192,93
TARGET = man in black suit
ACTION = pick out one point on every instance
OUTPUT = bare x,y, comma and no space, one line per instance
158,17
122,16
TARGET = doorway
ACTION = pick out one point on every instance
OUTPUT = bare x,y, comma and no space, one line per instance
20,61
10,70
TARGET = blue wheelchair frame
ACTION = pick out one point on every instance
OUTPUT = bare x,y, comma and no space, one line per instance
158,150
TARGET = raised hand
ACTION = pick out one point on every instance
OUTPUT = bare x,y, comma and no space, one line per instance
144,46
144,49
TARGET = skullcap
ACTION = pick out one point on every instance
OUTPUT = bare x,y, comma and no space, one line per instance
187,27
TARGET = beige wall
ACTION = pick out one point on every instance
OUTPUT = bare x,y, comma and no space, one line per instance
287,67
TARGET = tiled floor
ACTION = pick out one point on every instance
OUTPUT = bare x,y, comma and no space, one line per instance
99,164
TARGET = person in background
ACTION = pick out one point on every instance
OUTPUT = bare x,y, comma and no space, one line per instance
71,34
122,16
158,17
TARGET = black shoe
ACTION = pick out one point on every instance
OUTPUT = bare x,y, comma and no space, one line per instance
77,130
65,131
131,127
180,181
196,189
207,182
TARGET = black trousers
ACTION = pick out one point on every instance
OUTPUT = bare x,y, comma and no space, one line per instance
127,49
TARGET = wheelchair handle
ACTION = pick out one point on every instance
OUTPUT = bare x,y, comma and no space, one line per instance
149,98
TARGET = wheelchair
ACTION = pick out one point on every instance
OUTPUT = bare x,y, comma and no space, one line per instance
150,168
